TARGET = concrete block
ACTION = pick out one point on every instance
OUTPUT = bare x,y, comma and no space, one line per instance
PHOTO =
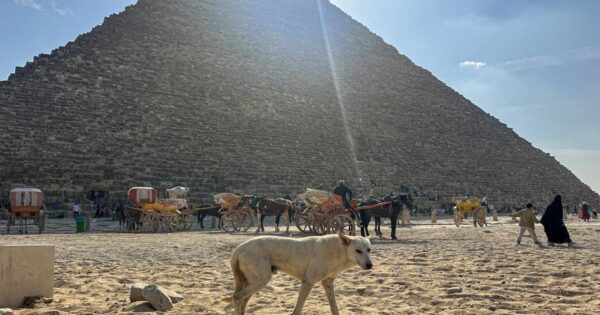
25,270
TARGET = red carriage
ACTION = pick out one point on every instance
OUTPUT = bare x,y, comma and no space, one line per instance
324,212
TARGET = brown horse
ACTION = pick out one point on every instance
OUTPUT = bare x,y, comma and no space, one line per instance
264,207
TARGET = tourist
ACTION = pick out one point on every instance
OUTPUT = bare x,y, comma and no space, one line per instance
585,212
345,192
76,210
553,223
527,221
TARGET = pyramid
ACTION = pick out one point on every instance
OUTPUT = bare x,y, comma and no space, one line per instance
262,96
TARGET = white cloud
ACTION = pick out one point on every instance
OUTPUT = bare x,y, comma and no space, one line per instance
37,5
60,11
541,61
472,64
30,3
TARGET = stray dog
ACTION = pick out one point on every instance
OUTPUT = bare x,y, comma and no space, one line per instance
310,260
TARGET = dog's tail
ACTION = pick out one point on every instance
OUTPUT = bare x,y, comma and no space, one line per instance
238,276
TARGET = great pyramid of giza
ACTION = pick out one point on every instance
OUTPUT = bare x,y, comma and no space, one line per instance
262,96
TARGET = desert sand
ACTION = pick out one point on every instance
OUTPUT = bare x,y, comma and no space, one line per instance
94,273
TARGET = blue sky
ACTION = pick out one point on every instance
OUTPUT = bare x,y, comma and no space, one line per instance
534,64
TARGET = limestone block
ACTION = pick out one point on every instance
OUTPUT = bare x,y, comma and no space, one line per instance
159,299
136,292
25,270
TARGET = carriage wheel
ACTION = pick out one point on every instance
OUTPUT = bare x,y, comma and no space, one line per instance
318,224
458,217
342,223
169,223
244,221
302,222
228,221
150,222
185,222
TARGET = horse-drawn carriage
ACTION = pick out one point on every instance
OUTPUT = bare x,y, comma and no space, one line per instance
472,205
26,209
236,212
323,213
388,206
146,211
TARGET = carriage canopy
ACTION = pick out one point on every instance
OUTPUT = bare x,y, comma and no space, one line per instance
316,197
178,192
26,197
227,200
142,194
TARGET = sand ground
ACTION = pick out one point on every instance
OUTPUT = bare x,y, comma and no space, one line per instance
94,272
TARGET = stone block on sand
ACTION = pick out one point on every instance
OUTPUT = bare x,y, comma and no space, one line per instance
25,270
136,292
157,297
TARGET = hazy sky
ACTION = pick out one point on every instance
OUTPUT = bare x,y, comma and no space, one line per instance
534,64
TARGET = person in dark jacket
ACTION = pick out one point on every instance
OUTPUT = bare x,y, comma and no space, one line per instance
345,192
553,223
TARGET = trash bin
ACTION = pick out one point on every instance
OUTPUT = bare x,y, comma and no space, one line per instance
80,224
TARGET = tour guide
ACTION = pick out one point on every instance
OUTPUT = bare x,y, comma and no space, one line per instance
345,192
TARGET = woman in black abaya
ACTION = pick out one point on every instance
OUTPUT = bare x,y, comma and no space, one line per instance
555,228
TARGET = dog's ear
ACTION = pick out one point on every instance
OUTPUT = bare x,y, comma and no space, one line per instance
345,239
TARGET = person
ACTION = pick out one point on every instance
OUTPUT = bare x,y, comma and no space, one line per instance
76,210
553,223
527,221
345,192
585,212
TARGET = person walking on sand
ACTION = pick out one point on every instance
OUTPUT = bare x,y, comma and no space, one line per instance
527,221
553,223
585,212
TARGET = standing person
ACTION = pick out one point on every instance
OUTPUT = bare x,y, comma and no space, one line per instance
585,212
553,223
76,210
121,215
345,192
527,221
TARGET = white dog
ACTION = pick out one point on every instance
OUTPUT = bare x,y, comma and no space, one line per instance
310,260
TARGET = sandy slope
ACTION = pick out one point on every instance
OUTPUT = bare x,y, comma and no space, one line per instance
93,273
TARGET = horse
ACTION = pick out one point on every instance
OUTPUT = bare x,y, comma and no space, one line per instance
264,207
391,210
208,210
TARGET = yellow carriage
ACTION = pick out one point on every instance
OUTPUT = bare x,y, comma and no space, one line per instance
146,212
472,205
